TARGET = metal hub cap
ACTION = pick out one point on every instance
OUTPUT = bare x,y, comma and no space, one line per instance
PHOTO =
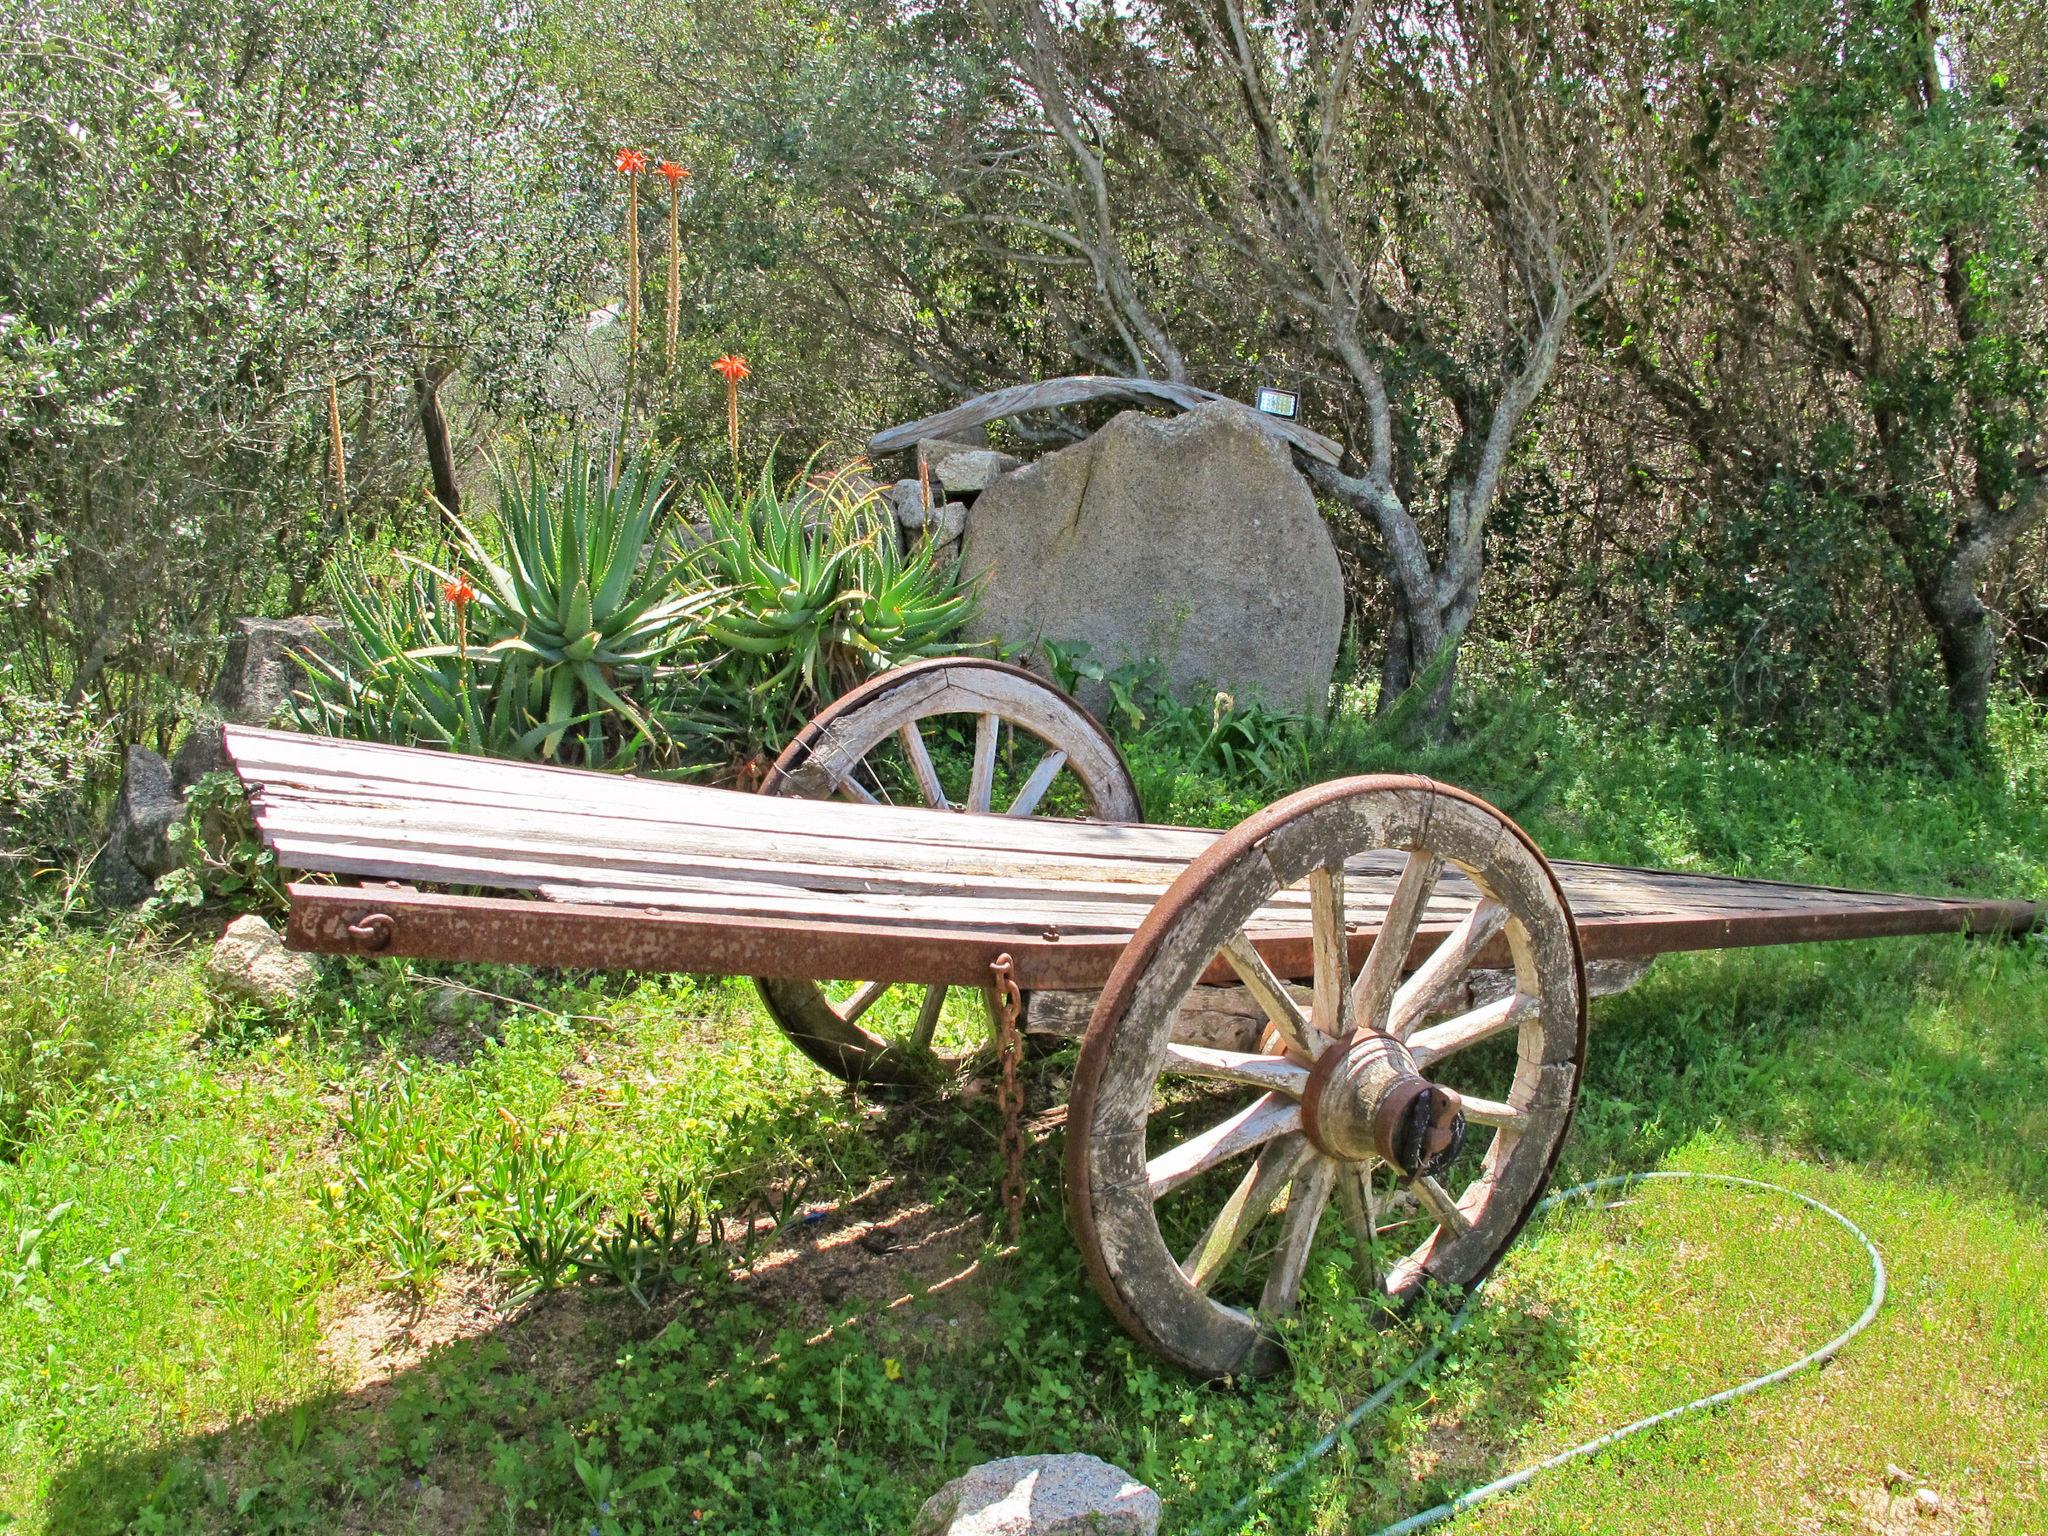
1364,1098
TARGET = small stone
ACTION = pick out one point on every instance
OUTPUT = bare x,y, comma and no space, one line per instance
1069,1495
1928,1500
249,962
965,471
258,676
138,835
947,522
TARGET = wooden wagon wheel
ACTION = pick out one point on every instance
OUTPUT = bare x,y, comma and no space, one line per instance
1033,751
1201,1182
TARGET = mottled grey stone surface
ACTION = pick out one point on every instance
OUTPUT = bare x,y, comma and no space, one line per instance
1192,540
963,470
138,834
259,674
249,961
1041,1496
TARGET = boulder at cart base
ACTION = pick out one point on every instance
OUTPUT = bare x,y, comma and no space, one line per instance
249,963
1191,540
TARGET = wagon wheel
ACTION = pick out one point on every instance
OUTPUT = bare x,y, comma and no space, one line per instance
1201,1183
1019,747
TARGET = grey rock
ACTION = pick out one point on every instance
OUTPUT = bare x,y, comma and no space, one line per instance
906,500
257,677
962,470
249,962
947,521
1191,540
138,834
1041,1496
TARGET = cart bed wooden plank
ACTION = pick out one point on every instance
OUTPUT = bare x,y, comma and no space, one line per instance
642,874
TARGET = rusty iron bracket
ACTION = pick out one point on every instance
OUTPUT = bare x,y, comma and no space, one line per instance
1009,1006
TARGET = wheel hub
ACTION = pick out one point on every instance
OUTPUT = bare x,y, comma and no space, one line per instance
1365,1098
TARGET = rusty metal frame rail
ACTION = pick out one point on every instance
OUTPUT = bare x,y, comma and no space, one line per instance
426,925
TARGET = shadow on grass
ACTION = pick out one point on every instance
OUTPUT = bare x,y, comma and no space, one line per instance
882,1350
833,1385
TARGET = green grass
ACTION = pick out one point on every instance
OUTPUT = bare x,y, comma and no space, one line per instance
175,1345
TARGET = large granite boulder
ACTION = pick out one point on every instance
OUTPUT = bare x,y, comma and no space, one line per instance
1192,540
258,676
138,847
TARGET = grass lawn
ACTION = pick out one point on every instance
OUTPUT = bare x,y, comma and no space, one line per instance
211,1225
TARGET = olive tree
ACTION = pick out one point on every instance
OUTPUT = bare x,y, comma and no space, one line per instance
211,216
1407,207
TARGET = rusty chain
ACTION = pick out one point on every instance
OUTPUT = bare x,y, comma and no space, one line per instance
1009,1004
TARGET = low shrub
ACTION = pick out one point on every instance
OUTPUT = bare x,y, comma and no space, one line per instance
56,762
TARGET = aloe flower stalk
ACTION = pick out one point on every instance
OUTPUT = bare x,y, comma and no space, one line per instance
675,176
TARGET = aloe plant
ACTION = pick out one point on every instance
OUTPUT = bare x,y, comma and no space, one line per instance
584,594
816,595
557,653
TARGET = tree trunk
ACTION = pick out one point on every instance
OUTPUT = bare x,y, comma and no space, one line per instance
1965,640
440,448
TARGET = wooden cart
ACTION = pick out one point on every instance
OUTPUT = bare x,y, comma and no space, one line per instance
1367,1001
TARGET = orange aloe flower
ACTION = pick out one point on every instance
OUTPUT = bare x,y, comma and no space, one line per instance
459,591
734,367
630,162
673,172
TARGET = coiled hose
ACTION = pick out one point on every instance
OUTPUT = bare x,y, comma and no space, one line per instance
1500,1485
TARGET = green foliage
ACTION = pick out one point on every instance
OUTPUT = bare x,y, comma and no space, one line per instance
55,763
208,216
561,654
816,595
1215,766
221,857
67,1003
162,1364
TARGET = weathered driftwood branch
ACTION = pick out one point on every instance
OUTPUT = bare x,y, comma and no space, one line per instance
1076,389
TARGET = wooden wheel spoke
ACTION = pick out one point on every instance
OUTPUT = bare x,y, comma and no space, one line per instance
1248,1205
1374,990
1305,1204
1332,959
1433,1044
921,765
1438,1202
1446,963
1361,1213
1272,996
1034,789
863,1000
853,789
1272,1072
1492,1112
928,1018
981,786
1267,1116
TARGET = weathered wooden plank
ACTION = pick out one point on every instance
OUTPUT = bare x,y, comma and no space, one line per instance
1079,389
696,853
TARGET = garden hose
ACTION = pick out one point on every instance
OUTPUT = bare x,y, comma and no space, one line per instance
1429,1356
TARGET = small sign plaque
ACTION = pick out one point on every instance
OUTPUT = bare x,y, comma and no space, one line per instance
1279,402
